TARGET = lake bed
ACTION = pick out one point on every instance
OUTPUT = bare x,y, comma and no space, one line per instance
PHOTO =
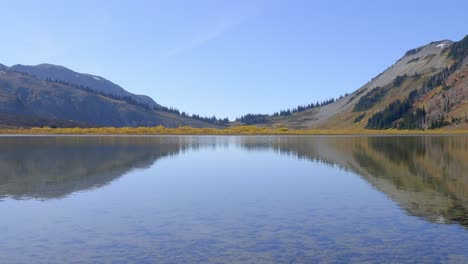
234,199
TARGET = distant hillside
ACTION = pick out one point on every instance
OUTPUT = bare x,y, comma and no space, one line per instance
26,100
426,88
93,82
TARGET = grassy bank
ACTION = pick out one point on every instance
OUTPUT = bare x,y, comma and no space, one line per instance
237,130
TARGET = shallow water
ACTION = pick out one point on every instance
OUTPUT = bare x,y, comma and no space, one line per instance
234,199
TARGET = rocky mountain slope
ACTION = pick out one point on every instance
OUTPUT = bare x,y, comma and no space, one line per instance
426,88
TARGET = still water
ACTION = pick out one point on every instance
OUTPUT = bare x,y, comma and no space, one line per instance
234,199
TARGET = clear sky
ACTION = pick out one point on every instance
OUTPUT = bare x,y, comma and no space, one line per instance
226,57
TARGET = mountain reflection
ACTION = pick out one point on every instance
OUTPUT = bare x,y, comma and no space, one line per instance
426,175
52,167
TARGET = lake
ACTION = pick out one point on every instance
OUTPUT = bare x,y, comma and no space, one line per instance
234,199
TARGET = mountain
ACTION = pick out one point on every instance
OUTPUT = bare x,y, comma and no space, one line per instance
426,88
93,82
28,100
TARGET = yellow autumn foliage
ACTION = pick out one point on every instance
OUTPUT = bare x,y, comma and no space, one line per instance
234,130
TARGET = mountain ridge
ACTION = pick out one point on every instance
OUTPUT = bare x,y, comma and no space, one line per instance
46,71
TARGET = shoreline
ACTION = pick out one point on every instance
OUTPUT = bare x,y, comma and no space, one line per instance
226,135
231,131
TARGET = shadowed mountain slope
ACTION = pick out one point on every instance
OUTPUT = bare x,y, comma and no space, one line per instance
40,102
93,82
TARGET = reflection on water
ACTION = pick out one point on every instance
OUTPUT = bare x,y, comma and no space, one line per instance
428,176
51,167
234,199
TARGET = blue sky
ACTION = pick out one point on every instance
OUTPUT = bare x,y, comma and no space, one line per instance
226,57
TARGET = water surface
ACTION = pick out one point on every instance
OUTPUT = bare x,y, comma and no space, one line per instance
234,199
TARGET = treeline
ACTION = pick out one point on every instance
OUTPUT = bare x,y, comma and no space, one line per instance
377,93
125,98
370,99
302,108
250,119
388,118
213,119
132,101
438,79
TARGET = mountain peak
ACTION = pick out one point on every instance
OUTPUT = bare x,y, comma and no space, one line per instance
429,48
